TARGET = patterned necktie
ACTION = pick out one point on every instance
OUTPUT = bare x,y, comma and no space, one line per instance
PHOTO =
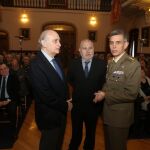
57,68
3,88
86,69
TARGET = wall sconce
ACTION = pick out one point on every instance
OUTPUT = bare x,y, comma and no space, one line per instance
24,18
147,16
93,21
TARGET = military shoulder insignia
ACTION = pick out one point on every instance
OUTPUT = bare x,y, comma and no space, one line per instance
131,58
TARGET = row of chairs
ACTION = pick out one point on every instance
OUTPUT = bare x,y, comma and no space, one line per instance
20,112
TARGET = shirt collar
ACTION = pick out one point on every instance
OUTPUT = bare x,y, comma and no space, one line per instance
47,56
116,59
83,60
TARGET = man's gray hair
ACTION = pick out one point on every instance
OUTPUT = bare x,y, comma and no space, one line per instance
118,32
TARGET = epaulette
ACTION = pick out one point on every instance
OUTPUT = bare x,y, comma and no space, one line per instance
131,58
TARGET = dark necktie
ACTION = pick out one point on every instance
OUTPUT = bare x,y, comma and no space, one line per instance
86,69
57,68
3,88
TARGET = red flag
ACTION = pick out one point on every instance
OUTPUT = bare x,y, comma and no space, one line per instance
115,10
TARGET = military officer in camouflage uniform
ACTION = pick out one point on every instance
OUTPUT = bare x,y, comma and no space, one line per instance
120,91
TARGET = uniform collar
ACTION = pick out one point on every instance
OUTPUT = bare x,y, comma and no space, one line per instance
118,58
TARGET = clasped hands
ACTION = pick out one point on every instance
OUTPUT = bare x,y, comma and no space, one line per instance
99,96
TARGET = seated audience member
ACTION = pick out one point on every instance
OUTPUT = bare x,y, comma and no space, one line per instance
145,89
144,65
9,96
21,74
25,67
1,58
8,60
26,62
141,56
141,121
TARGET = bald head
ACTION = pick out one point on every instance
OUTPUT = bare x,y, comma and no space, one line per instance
86,49
50,42
86,41
45,34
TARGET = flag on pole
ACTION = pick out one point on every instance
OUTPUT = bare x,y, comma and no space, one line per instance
115,11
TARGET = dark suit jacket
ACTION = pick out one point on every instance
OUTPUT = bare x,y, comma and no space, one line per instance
50,93
12,87
84,88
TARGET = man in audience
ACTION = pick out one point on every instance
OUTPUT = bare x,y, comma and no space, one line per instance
86,76
9,92
120,91
50,92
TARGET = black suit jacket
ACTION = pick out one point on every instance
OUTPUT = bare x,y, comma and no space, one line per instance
84,88
12,87
50,93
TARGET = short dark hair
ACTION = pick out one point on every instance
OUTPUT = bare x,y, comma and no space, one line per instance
118,32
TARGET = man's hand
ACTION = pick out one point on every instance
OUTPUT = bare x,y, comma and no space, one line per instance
147,98
1,103
4,103
70,105
7,102
99,96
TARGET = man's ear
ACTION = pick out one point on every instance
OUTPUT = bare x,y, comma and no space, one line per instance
43,43
126,44
79,50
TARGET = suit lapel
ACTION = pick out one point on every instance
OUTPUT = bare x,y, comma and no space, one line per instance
50,67
92,68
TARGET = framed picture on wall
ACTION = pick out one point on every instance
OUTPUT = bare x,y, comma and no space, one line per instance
92,35
25,33
145,36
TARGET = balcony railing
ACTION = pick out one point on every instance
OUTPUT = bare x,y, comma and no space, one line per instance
87,5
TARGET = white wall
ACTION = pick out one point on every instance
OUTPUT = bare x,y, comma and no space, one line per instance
80,19
38,17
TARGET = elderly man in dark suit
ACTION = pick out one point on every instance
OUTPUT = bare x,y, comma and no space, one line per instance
50,92
9,93
120,91
86,76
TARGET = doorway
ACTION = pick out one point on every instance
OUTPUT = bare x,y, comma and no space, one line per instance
4,42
